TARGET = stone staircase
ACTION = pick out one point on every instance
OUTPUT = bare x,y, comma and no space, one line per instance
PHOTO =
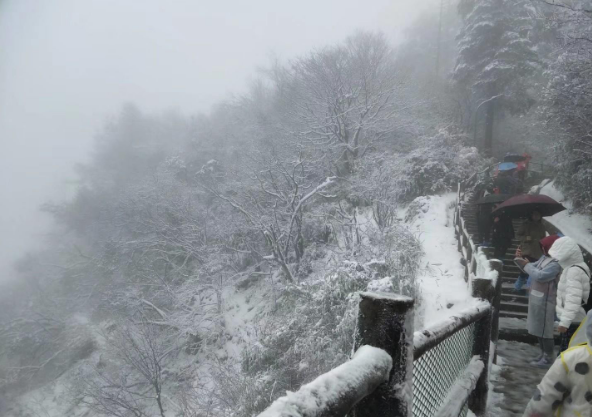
512,305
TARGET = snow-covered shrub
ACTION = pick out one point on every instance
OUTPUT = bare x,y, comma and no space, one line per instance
131,380
311,329
439,163
402,253
310,333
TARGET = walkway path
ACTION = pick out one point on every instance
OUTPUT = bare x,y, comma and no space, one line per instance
514,384
514,381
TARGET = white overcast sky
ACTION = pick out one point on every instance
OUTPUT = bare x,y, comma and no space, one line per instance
65,65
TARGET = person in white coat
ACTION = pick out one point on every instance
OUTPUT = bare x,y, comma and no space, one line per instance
566,388
573,289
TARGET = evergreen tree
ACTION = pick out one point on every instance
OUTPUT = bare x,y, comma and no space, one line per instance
496,57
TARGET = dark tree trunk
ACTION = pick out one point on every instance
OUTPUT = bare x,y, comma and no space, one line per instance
489,122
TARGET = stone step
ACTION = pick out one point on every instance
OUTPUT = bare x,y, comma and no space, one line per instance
517,335
511,268
522,336
513,314
513,298
509,280
507,306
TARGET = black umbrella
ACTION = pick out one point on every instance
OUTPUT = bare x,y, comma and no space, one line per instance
524,204
493,199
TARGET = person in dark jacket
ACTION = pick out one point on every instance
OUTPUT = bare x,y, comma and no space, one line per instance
484,223
508,183
502,234
544,275
530,234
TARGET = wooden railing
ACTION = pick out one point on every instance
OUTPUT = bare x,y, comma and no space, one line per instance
476,260
386,376
379,380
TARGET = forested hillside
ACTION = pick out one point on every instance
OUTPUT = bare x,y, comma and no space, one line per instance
209,263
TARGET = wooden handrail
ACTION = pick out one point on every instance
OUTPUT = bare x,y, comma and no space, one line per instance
339,390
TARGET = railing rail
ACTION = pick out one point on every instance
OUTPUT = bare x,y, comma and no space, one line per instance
426,339
401,377
336,392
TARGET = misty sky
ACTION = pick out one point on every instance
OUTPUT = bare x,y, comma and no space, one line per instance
66,65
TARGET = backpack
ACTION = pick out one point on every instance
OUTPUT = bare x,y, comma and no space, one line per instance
588,305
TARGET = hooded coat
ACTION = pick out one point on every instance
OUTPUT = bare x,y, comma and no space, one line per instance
544,275
573,289
566,389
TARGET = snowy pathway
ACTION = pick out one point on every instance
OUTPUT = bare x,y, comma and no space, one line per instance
514,380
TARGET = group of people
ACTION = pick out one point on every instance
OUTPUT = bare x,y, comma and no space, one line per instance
558,281
559,290
509,182
553,269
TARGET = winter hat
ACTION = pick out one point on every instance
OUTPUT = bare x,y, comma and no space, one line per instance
547,242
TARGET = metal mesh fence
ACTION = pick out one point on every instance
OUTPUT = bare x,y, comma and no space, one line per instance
435,372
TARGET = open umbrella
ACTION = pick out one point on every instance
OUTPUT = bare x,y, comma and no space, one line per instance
507,166
514,157
524,204
493,199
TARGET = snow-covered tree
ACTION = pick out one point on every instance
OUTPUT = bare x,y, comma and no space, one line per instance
496,57
568,97
343,99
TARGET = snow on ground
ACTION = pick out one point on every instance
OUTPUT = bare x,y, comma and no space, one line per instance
441,278
240,311
574,225
443,292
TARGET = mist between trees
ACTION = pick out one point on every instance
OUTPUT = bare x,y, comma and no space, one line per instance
280,206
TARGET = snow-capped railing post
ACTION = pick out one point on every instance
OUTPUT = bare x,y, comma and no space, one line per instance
474,260
385,321
496,265
478,400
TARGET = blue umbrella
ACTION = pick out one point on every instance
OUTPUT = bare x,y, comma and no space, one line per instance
507,166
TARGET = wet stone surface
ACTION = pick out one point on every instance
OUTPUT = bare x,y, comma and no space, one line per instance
517,380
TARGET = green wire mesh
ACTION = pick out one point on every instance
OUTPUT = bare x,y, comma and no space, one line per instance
436,371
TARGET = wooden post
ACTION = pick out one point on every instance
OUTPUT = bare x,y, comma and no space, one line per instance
478,400
385,321
469,255
474,261
498,266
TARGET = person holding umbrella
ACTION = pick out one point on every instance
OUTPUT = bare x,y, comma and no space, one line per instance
530,234
534,207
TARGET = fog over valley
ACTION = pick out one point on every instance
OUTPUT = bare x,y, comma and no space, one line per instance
316,208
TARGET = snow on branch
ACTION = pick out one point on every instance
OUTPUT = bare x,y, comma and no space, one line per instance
337,391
